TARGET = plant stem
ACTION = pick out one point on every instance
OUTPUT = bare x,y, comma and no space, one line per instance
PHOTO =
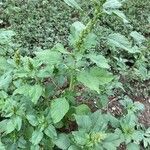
80,42
71,85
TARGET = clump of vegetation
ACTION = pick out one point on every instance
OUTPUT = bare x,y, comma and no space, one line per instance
58,98
36,22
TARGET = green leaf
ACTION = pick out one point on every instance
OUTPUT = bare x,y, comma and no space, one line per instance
3,125
59,107
32,120
133,146
90,41
49,57
113,120
50,131
99,121
139,38
36,137
34,91
82,109
115,139
5,80
22,143
35,147
88,80
73,147
100,60
76,28
84,122
18,122
10,126
121,15
122,42
81,137
2,146
59,47
4,65
94,78
73,3
138,136
103,101
112,4
102,75
109,146
62,142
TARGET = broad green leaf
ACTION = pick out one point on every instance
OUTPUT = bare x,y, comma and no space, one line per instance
3,125
81,137
113,121
90,41
99,122
10,126
22,143
2,146
32,119
59,107
119,40
103,101
133,146
50,131
34,91
82,109
60,48
17,120
5,80
88,80
94,78
4,65
22,90
100,60
122,42
137,37
14,123
84,122
37,136
113,140
49,57
102,75
62,142
112,4
109,146
121,15
73,3
138,136
73,147
12,146
76,28
35,147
